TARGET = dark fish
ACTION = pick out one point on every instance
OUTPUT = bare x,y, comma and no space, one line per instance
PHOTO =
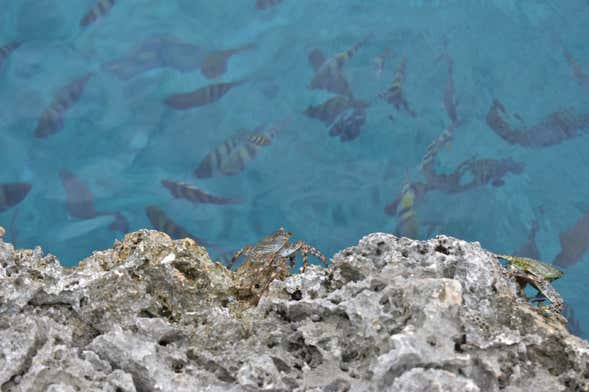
79,198
265,4
328,72
200,97
181,190
215,63
51,120
394,94
330,110
578,74
554,129
574,243
101,8
7,50
348,124
230,157
433,150
12,193
449,99
160,221
470,174
80,202
157,51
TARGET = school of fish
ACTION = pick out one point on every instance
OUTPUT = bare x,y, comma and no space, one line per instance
341,109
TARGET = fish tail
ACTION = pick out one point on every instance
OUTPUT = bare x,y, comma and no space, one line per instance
246,47
99,9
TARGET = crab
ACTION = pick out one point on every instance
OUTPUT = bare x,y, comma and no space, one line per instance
538,275
267,260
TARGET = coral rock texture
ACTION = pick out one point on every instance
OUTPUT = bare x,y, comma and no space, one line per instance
390,314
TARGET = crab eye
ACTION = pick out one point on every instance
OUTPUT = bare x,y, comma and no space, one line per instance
257,286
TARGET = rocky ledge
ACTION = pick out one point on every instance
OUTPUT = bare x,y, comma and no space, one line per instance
389,314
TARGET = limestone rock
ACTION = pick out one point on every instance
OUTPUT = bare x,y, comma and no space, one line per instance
389,314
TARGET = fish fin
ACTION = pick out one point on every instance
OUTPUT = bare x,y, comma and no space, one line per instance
316,58
205,169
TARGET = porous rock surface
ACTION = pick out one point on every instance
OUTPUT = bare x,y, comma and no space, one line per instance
389,314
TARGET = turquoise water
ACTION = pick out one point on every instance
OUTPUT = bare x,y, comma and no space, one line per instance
116,132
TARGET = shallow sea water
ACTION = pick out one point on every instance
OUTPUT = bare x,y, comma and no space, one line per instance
120,138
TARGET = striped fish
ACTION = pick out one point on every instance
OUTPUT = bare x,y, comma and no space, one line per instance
7,50
265,4
418,191
428,161
394,94
51,121
101,8
215,63
12,193
328,72
553,129
408,225
230,157
181,190
200,97
160,221
488,171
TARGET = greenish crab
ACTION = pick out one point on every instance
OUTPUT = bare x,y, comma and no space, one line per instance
538,275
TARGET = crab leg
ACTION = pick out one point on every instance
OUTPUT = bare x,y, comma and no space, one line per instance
270,280
305,260
292,260
238,254
544,289
306,248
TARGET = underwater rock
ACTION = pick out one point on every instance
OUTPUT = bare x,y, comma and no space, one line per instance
390,314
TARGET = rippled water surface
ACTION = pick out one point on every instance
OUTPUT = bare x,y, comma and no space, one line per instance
225,120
